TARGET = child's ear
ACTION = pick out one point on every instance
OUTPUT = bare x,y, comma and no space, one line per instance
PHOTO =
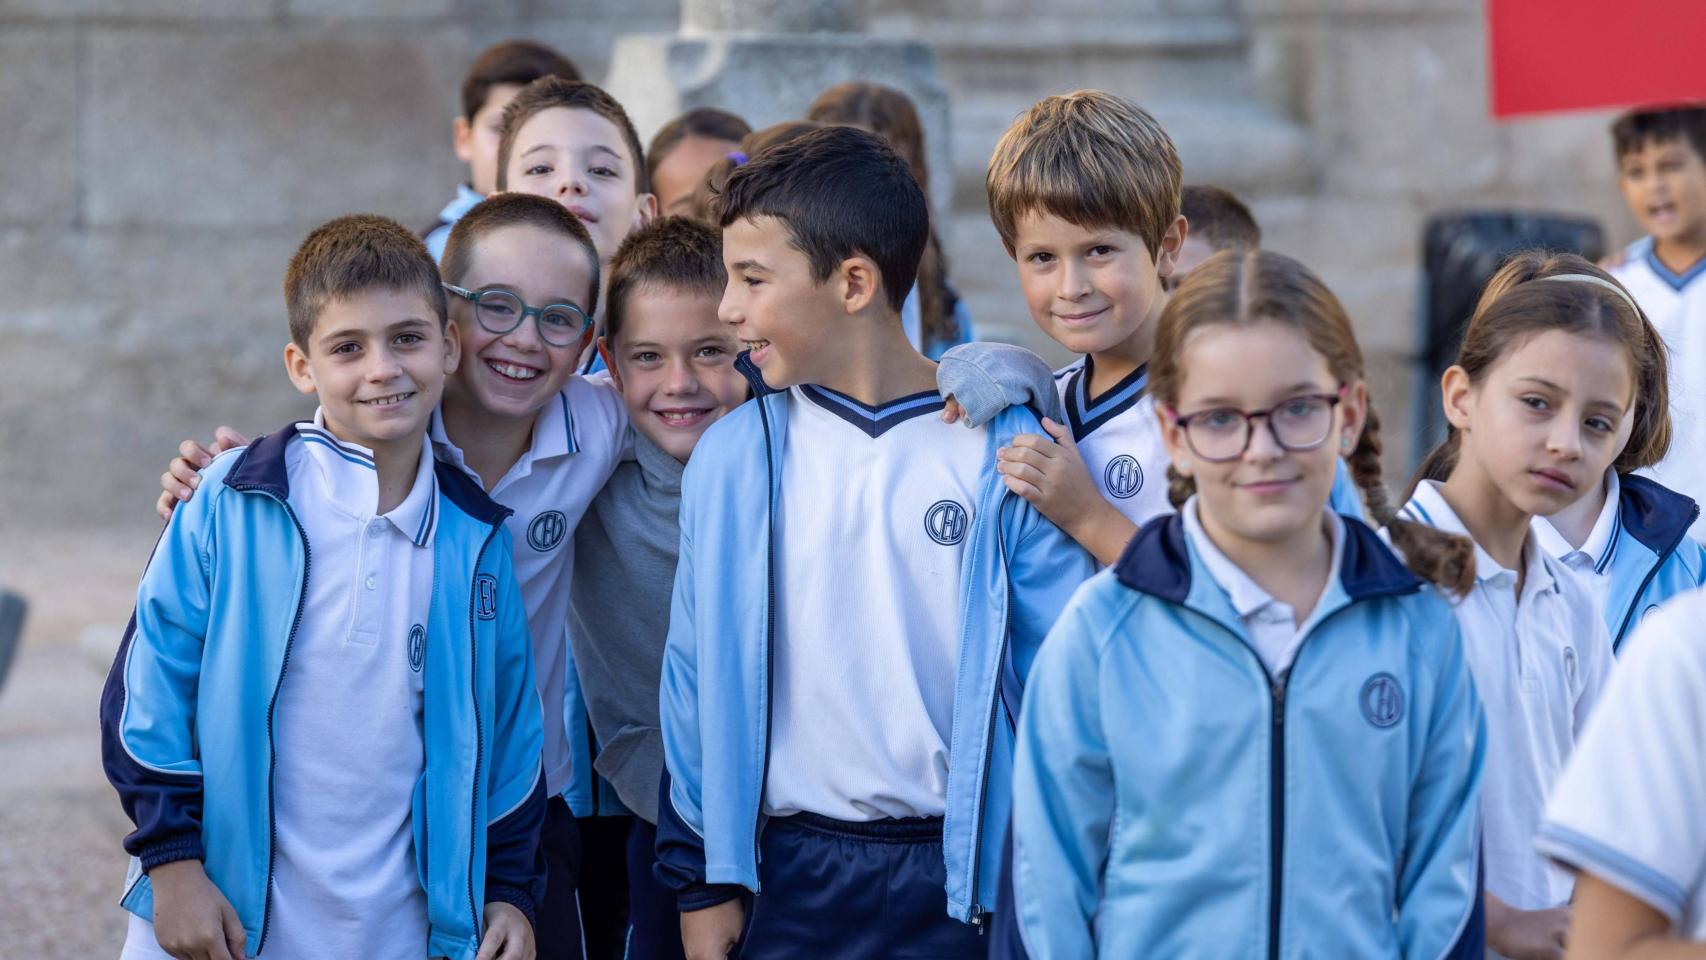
645,211
452,347
860,283
1173,438
462,138
1167,258
1454,391
1355,409
608,355
296,365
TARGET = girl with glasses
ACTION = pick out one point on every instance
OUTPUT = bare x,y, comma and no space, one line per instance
1256,734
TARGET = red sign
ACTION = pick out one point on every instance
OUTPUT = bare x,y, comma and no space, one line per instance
1552,55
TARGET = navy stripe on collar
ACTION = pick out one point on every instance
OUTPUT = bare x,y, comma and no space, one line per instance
1158,562
874,421
1085,413
1676,280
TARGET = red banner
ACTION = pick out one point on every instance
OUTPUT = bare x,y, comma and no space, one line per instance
1550,55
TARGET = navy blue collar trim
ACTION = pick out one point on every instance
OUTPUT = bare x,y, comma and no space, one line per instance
1676,280
1158,562
261,467
754,376
1653,513
1084,413
874,421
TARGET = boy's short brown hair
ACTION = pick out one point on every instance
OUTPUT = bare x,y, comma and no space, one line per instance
676,253
351,255
518,62
1090,158
548,92
516,209
1219,218
1639,127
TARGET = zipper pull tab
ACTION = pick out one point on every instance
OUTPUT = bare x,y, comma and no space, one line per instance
1279,703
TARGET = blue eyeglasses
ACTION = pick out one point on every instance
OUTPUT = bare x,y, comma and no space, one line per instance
499,312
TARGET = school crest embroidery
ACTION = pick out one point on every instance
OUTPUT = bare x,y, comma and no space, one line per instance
1382,700
486,597
547,530
417,647
945,522
1123,476
1570,666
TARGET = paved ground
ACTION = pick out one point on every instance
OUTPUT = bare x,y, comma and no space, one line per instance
61,866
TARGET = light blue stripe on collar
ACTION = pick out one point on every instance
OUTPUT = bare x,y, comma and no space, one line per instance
1676,280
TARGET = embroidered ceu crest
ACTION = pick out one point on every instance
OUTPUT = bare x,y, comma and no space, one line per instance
486,597
945,522
1123,476
417,647
1382,700
547,530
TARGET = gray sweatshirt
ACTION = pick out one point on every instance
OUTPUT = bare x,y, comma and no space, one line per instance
625,552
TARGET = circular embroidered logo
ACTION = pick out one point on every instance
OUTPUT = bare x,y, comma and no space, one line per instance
1570,665
945,522
417,647
547,530
1649,611
1123,476
1382,700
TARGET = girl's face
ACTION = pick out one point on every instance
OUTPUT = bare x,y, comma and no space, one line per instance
1547,419
1267,493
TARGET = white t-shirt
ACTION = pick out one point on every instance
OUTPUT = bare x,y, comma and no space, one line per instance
1539,663
876,506
1628,807
1271,625
1676,304
348,748
1119,438
1592,562
577,442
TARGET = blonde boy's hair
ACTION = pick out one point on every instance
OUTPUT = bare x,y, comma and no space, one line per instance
1090,158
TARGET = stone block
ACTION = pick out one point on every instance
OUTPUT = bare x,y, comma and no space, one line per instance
285,126
142,10
38,111
375,9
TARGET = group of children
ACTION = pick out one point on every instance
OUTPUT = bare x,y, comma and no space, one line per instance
634,590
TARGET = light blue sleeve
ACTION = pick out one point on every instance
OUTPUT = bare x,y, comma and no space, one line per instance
1042,574
987,378
1063,791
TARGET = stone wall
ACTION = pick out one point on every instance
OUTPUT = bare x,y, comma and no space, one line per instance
163,157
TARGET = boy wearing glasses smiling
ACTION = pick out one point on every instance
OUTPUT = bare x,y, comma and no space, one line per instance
523,278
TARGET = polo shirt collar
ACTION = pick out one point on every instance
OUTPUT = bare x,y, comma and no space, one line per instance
349,478
1247,596
1427,505
1597,550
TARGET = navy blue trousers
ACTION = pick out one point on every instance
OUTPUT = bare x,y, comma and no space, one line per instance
654,924
854,891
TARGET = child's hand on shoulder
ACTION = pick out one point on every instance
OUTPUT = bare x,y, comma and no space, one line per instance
1049,472
508,934
710,934
179,481
192,919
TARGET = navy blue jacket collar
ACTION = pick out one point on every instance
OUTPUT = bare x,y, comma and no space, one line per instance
261,467
1158,562
754,376
1655,515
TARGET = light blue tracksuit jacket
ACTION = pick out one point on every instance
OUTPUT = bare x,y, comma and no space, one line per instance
1651,558
1174,799
1017,574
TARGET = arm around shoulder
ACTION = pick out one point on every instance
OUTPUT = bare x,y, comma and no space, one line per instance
987,378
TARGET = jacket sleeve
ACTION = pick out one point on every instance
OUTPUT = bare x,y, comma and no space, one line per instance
148,706
987,378
515,787
681,825
1063,794
1440,912
1042,574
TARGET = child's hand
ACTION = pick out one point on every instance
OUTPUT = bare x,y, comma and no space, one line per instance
508,934
192,919
179,481
1050,474
710,934
953,411
1526,934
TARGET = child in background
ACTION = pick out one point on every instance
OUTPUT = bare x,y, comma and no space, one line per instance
1625,815
1627,535
524,278
934,316
498,74
685,149
711,185
277,729
1255,616
1661,171
1218,221
842,547
1543,385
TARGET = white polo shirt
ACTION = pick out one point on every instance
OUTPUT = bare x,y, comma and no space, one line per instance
1628,807
1592,561
1676,304
347,737
1271,625
577,441
1119,438
875,509
1539,662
